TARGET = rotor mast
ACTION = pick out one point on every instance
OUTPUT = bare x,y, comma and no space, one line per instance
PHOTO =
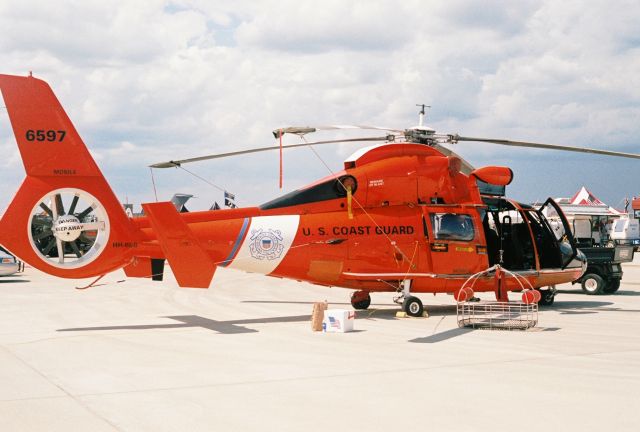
421,114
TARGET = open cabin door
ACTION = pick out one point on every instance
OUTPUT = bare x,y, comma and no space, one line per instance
554,218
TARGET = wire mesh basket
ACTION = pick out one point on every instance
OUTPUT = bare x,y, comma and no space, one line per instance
497,315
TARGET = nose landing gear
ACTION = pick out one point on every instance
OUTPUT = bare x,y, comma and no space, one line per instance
411,305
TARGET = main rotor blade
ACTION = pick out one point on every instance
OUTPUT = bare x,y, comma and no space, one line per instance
546,146
303,130
177,163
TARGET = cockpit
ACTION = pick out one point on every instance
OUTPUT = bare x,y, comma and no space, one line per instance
517,235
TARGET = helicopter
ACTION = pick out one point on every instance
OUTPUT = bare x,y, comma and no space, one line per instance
405,215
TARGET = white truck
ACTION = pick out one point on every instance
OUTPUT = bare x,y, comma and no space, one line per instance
625,231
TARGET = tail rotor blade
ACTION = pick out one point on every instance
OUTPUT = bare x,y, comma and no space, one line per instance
74,203
85,212
46,208
42,235
49,246
59,205
75,249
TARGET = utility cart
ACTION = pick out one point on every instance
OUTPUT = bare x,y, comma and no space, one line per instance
604,269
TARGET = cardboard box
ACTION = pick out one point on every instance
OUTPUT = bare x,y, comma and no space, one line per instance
338,320
317,316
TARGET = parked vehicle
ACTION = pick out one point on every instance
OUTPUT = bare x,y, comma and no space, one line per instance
625,231
604,270
604,253
8,263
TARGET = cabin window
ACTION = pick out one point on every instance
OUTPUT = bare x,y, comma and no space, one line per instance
452,226
328,190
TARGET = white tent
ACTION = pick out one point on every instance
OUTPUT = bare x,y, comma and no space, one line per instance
586,203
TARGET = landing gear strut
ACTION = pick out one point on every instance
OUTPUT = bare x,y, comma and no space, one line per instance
411,305
360,300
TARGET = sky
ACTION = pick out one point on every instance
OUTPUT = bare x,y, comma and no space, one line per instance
151,81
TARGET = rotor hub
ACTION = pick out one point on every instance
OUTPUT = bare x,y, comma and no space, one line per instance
67,228
421,134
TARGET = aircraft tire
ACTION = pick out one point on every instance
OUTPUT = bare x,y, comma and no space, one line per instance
413,306
592,284
360,300
612,286
547,297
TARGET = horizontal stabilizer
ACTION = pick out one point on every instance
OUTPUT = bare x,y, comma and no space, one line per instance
191,264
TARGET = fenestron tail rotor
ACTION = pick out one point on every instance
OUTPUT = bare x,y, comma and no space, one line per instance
71,238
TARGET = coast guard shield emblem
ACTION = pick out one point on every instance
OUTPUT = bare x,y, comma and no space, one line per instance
266,244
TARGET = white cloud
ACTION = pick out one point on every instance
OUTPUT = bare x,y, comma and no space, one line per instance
309,27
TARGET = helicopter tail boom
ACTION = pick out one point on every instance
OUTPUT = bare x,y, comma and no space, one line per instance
65,219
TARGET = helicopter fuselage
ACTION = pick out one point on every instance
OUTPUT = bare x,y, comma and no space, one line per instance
412,215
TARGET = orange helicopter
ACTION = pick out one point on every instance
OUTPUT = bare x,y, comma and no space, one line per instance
406,216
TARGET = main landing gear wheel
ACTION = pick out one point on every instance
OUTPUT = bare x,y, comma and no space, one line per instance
547,297
611,286
592,284
360,300
413,306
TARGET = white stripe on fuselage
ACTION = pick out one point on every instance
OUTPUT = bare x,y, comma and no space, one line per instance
266,243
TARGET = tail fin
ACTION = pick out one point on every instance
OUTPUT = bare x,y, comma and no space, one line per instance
65,219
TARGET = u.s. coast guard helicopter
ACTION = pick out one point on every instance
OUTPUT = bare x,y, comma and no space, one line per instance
406,216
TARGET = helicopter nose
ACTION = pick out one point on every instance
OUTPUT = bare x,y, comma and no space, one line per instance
582,258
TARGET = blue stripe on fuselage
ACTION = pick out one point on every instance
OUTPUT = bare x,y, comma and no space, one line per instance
236,245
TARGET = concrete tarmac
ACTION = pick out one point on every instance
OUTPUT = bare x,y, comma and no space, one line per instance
135,355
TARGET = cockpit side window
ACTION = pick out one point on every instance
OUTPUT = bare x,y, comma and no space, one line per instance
328,190
452,226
